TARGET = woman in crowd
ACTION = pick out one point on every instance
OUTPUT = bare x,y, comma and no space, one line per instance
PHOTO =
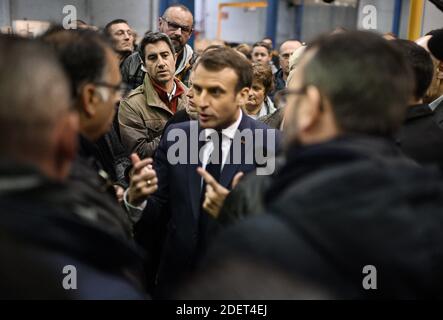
259,104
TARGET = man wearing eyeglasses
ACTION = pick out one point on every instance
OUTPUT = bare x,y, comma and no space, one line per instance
178,23
95,90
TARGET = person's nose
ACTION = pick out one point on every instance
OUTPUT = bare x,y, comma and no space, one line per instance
202,100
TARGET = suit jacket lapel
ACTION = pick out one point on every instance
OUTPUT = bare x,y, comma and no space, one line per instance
195,180
230,169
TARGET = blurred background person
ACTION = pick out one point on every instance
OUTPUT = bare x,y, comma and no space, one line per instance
121,35
259,104
44,224
261,53
420,137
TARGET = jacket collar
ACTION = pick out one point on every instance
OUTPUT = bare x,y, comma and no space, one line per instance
418,111
153,99
302,161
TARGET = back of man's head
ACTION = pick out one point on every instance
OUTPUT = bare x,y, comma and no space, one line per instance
365,79
34,99
421,63
225,57
82,54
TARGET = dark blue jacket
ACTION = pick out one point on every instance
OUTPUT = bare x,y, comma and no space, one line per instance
175,207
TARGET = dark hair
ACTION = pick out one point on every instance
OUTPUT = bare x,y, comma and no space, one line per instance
219,59
212,47
421,62
262,44
154,37
107,29
364,77
82,53
435,44
264,75
245,49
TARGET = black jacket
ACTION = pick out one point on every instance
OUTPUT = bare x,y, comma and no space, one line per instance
43,228
337,207
420,137
131,70
93,187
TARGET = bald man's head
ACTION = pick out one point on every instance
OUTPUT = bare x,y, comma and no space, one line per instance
286,50
34,118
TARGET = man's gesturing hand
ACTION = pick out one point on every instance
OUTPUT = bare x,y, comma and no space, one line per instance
215,193
143,180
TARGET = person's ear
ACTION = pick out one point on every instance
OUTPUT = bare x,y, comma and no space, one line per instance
90,99
66,136
242,96
310,111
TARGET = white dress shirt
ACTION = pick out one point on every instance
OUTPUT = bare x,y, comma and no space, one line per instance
227,137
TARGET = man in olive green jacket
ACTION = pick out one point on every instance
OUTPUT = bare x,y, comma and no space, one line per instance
145,111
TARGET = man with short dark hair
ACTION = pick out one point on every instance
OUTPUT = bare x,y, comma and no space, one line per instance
347,212
52,245
420,136
145,111
178,23
92,68
184,202
122,37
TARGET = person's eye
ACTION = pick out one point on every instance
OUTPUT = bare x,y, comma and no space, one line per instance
197,90
215,92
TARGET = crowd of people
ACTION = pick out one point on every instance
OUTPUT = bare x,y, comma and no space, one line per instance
154,171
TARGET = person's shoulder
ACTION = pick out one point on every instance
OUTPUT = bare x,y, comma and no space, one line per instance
135,95
133,57
255,124
184,126
255,235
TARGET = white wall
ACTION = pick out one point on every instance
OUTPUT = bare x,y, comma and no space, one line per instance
50,10
318,19
432,18
138,13
5,18
241,26
141,14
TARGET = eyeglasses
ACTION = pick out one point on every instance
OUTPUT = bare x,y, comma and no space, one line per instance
122,89
281,97
175,26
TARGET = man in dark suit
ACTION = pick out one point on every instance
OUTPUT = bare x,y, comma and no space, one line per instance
220,147
420,136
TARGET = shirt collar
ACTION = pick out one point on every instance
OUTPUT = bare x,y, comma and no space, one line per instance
229,131
172,93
